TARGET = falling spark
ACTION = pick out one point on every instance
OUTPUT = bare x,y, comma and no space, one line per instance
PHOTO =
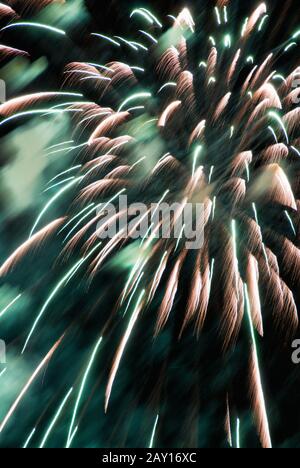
51,201
82,386
236,261
279,120
166,85
35,112
28,384
153,432
279,77
68,142
218,15
55,291
238,425
296,35
85,216
273,133
28,440
214,208
121,349
157,273
35,25
155,19
69,443
126,42
291,222
152,38
296,151
233,224
288,47
133,292
133,98
179,237
261,24
57,184
132,109
142,13
225,14
238,143
68,149
196,156
74,168
244,28
10,305
248,309
109,39
92,205
54,420
263,245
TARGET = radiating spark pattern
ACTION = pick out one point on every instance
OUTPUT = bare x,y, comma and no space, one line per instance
203,113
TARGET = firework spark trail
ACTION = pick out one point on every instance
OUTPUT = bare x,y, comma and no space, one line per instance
69,443
66,278
133,292
56,416
63,143
68,149
145,15
35,112
280,122
263,245
258,395
121,349
71,433
48,301
71,169
94,208
109,39
33,242
35,25
77,216
136,269
28,440
153,432
16,104
290,221
158,275
57,184
28,384
238,438
51,201
133,98
224,133
10,305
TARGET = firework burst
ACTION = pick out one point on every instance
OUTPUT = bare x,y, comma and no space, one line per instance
185,117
